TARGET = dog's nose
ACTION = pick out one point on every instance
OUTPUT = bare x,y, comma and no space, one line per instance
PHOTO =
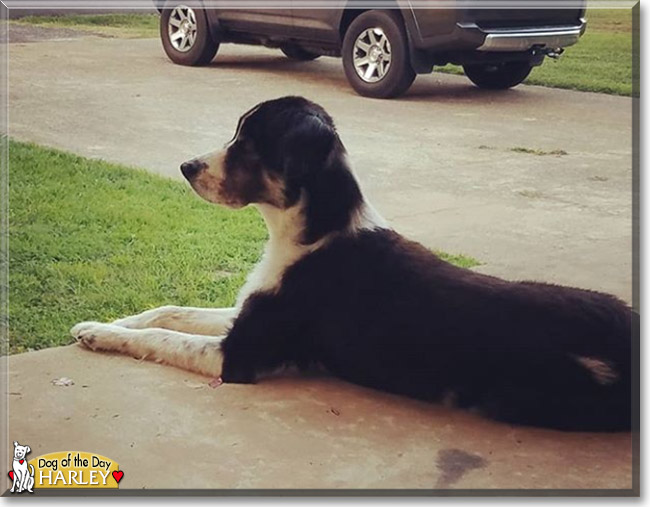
189,169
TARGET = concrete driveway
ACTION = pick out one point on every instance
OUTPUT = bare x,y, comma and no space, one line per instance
437,163
459,169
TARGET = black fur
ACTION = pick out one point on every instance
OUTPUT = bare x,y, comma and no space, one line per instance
382,311
295,140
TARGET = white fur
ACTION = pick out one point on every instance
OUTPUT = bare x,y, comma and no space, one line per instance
208,182
600,370
198,353
204,321
240,124
283,249
367,217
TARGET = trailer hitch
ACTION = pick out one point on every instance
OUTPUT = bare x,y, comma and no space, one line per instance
554,52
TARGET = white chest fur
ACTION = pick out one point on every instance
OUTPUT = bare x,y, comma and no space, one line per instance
281,251
267,274
284,248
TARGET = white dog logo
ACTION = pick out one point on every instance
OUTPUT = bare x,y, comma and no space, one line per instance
23,478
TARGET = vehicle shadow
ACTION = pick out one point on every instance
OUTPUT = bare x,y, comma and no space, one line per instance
263,62
329,72
459,88
325,70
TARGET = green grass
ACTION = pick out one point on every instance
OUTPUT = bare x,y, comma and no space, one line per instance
132,25
91,240
461,260
600,62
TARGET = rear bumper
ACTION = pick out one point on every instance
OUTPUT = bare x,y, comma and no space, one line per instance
513,39
519,39
472,36
468,42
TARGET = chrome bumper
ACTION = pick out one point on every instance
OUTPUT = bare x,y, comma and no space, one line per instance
525,39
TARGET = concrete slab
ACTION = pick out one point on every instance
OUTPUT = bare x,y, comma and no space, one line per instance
308,433
439,165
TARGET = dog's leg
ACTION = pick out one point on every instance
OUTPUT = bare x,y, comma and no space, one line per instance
13,486
197,353
25,480
204,321
30,478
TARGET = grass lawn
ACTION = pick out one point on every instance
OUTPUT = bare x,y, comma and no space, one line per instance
131,25
91,240
600,62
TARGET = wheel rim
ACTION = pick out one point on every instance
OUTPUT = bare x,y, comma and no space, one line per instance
182,28
372,55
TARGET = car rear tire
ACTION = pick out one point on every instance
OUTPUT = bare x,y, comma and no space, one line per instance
498,76
185,35
376,56
298,53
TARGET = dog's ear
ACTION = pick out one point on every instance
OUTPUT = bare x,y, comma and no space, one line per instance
15,444
305,147
314,162
28,449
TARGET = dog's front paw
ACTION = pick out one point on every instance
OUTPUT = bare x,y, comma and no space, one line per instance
95,335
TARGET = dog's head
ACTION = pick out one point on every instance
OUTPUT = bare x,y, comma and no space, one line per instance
285,152
20,451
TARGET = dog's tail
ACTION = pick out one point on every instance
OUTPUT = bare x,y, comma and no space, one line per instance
607,409
32,469
574,390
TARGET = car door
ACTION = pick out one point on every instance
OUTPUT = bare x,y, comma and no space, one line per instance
320,25
259,21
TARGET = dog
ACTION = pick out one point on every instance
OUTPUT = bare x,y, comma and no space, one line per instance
337,287
23,478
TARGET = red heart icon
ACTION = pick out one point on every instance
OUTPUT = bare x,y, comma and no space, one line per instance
21,461
117,475
11,474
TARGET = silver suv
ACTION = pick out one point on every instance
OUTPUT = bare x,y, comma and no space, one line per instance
382,50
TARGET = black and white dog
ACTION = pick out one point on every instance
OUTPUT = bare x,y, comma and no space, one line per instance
337,287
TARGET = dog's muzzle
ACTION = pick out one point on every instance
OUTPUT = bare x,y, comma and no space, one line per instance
191,168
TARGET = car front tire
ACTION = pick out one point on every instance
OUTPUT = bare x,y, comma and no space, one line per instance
498,76
185,35
376,56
